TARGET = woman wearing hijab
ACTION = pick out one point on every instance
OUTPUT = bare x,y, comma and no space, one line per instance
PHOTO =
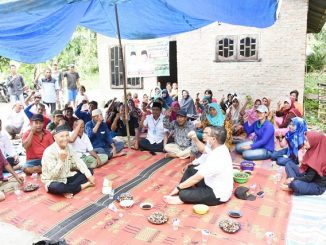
175,107
215,117
203,107
284,116
267,102
157,93
134,111
166,99
251,113
309,178
294,139
187,103
234,114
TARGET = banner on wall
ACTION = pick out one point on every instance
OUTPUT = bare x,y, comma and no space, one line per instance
147,60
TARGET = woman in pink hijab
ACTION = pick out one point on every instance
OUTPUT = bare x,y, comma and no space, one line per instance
175,106
310,177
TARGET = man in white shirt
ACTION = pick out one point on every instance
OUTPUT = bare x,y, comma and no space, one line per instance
49,89
15,120
83,146
157,135
211,182
7,148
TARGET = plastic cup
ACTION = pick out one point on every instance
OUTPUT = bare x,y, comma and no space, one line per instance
111,194
204,235
18,192
175,224
269,237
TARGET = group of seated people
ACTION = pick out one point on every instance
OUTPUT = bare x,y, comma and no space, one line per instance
67,147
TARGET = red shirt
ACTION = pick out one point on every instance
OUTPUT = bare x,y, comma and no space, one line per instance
36,149
3,163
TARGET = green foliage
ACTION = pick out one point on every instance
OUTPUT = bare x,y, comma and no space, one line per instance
310,103
4,64
81,51
316,61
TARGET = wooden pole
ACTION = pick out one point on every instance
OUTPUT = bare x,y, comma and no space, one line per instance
123,74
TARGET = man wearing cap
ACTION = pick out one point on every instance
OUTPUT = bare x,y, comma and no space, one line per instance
182,146
15,121
57,121
211,182
156,136
40,109
72,79
86,116
263,145
35,141
83,146
49,87
100,136
57,162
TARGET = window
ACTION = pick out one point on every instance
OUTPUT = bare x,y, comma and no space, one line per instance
236,48
248,48
226,48
117,74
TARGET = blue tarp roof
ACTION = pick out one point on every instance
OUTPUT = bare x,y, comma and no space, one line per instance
34,31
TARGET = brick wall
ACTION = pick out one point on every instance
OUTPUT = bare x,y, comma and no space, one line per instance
282,50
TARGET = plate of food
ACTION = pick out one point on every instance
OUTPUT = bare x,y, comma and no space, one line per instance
125,196
229,226
158,218
127,203
146,205
30,187
235,213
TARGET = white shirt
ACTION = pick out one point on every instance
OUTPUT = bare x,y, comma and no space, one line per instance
6,146
218,172
156,130
82,145
203,156
48,90
16,119
79,99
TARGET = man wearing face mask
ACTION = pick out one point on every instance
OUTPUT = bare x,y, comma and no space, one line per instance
211,182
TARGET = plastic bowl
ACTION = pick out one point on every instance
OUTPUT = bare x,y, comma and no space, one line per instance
200,208
127,203
247,166
241,177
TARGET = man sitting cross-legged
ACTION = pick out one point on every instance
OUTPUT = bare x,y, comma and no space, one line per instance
157,136
83,146
211,182
100,136
57,161
182,148
35,141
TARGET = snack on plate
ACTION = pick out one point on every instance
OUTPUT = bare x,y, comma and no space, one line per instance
158,218
30,187
229,225
125,196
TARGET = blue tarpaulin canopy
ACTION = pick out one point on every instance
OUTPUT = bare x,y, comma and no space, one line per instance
34,31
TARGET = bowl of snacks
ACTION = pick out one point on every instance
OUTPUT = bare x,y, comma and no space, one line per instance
125,196
158,218
229,225
200,208
247,166
146,205
241,177
126,203
30,187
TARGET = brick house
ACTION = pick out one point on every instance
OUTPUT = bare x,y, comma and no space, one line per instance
228,58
